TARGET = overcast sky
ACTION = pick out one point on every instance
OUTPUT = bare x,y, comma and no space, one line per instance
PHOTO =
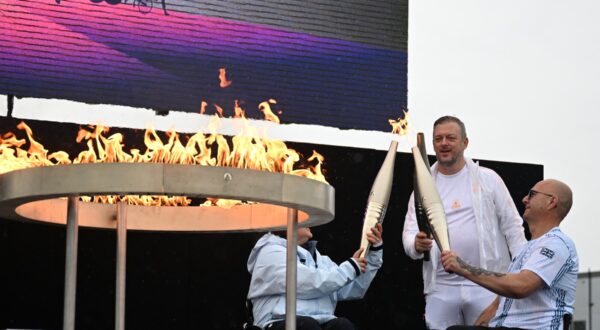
523,75
525,78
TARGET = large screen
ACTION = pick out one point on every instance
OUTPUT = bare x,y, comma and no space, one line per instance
339,64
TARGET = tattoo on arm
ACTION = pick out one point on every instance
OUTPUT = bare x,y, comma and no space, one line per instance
476,270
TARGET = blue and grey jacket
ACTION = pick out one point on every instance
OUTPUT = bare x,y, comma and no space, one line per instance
321,282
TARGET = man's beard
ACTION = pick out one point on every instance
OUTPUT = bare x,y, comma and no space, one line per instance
448,163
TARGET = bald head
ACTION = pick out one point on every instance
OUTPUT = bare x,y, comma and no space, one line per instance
562,192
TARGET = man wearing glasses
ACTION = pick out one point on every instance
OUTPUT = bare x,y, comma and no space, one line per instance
484,226
538,290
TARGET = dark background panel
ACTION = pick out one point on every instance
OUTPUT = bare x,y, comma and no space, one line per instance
199,281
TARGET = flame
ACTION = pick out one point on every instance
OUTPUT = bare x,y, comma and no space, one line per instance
220,110
400,126
248,149
203,107
265,107
238,111
224,203
223,78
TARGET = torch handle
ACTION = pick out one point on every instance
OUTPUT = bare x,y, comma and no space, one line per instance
423,226
422,222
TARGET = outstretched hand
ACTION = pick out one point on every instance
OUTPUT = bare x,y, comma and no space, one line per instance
375,236
451,262
361,261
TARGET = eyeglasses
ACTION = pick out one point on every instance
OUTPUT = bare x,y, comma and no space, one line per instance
533,192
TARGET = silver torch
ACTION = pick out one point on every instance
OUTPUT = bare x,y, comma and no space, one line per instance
379,196
432,204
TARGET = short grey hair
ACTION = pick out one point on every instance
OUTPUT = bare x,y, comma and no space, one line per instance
452,119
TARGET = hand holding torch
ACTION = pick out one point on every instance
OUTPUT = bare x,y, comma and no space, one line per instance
432,204
419,211
379,196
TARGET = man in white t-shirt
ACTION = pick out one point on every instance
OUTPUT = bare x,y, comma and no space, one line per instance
483,223
539,288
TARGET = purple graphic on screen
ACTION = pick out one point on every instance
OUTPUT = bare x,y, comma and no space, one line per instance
114,54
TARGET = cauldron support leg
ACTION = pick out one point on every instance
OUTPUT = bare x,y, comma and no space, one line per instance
291,269
71,263
121,265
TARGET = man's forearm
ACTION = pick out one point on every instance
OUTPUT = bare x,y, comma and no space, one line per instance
476,271
507,285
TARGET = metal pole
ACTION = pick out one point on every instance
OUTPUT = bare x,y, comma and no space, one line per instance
291,270
121,263
71,264
590,303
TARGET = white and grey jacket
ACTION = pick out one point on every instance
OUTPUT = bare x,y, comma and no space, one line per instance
321,282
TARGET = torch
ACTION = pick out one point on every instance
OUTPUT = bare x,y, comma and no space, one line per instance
420,213
379,196
432,204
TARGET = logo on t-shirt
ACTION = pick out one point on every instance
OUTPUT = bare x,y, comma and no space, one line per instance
455,204
547,253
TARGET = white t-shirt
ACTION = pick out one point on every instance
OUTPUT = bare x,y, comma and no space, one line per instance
455,193
554,259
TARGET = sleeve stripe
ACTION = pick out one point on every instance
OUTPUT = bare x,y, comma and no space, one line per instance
355,266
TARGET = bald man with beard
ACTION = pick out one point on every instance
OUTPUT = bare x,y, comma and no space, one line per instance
539,288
